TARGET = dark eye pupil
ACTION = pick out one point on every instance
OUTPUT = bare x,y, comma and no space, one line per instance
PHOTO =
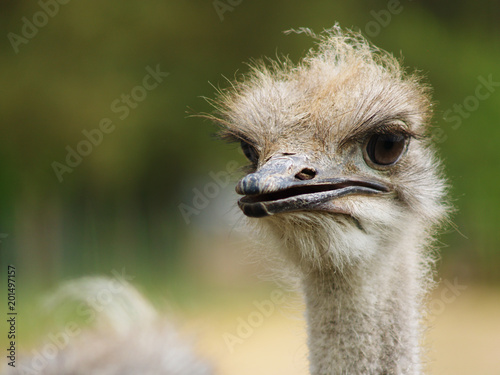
385,149
249,152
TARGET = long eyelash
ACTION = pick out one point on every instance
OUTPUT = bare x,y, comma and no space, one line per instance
385,127
230,136
227,136
236,137
393,130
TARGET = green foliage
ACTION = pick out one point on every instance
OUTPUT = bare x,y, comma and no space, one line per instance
119,205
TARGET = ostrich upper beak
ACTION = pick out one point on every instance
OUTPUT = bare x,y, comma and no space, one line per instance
291,183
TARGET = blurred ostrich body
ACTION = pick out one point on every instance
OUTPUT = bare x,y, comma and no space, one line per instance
343,182
128,336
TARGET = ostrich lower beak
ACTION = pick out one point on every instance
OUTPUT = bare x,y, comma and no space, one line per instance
279,186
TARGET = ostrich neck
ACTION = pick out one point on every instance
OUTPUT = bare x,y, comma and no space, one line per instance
364,320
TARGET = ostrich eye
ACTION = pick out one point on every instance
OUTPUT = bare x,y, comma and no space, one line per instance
250,152
385,149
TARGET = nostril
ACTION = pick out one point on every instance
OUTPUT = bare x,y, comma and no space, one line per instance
306,174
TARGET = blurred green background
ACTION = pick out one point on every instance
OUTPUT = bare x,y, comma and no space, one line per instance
119,207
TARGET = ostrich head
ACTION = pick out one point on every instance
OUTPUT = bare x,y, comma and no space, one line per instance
339,163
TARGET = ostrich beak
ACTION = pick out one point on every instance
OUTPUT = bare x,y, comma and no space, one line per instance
291,183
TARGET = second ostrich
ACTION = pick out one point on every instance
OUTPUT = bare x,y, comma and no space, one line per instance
344,182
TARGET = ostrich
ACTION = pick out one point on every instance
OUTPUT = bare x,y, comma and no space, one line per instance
343,182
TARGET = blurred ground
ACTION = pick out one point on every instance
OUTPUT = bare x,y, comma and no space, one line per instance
466,336
465,339
241,332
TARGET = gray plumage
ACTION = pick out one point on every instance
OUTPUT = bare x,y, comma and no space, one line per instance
310,131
